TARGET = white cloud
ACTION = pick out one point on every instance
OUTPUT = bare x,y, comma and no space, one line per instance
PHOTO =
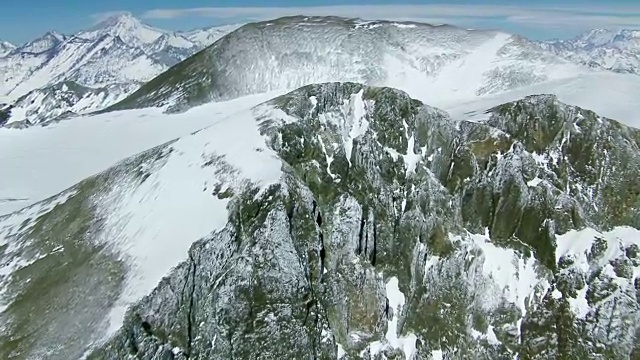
99,17
558,17
362,11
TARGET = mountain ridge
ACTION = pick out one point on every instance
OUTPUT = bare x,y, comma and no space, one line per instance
305,50
6,47
616,50
317,265
119,53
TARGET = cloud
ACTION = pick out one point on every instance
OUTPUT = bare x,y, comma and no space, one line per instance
100,17
363,11
557,17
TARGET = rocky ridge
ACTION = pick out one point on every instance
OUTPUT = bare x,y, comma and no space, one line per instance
391,232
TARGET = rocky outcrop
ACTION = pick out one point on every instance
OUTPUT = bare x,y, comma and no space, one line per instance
396,232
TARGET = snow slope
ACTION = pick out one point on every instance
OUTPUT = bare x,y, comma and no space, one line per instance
133,207
608,94
47,42
150,208
207,36
30,154
119,50
42,161
173,193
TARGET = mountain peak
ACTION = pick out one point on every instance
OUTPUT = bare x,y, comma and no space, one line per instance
126,26
6,47
54,35
44,43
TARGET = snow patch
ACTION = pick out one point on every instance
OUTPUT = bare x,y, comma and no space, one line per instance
579,305
351,121
515,277
406,343
577,245
437,355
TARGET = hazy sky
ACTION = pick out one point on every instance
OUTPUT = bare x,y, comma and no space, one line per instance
21,21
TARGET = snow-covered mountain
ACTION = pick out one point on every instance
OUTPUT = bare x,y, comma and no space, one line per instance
42,44
6,47
120,52
438,64
62,99
351,222
616,50
209,35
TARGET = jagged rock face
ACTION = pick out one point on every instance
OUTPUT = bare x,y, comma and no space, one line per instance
433,63
395,232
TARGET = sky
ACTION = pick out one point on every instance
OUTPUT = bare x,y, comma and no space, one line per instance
21,21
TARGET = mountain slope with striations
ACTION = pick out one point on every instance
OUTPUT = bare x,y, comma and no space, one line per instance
351,222
438,64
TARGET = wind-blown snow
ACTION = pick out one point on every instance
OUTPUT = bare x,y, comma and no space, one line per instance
39,162
208,36
126,27
461,78
440,66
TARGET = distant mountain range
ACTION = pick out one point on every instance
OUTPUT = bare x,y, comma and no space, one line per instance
60,75
616,50
101,65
